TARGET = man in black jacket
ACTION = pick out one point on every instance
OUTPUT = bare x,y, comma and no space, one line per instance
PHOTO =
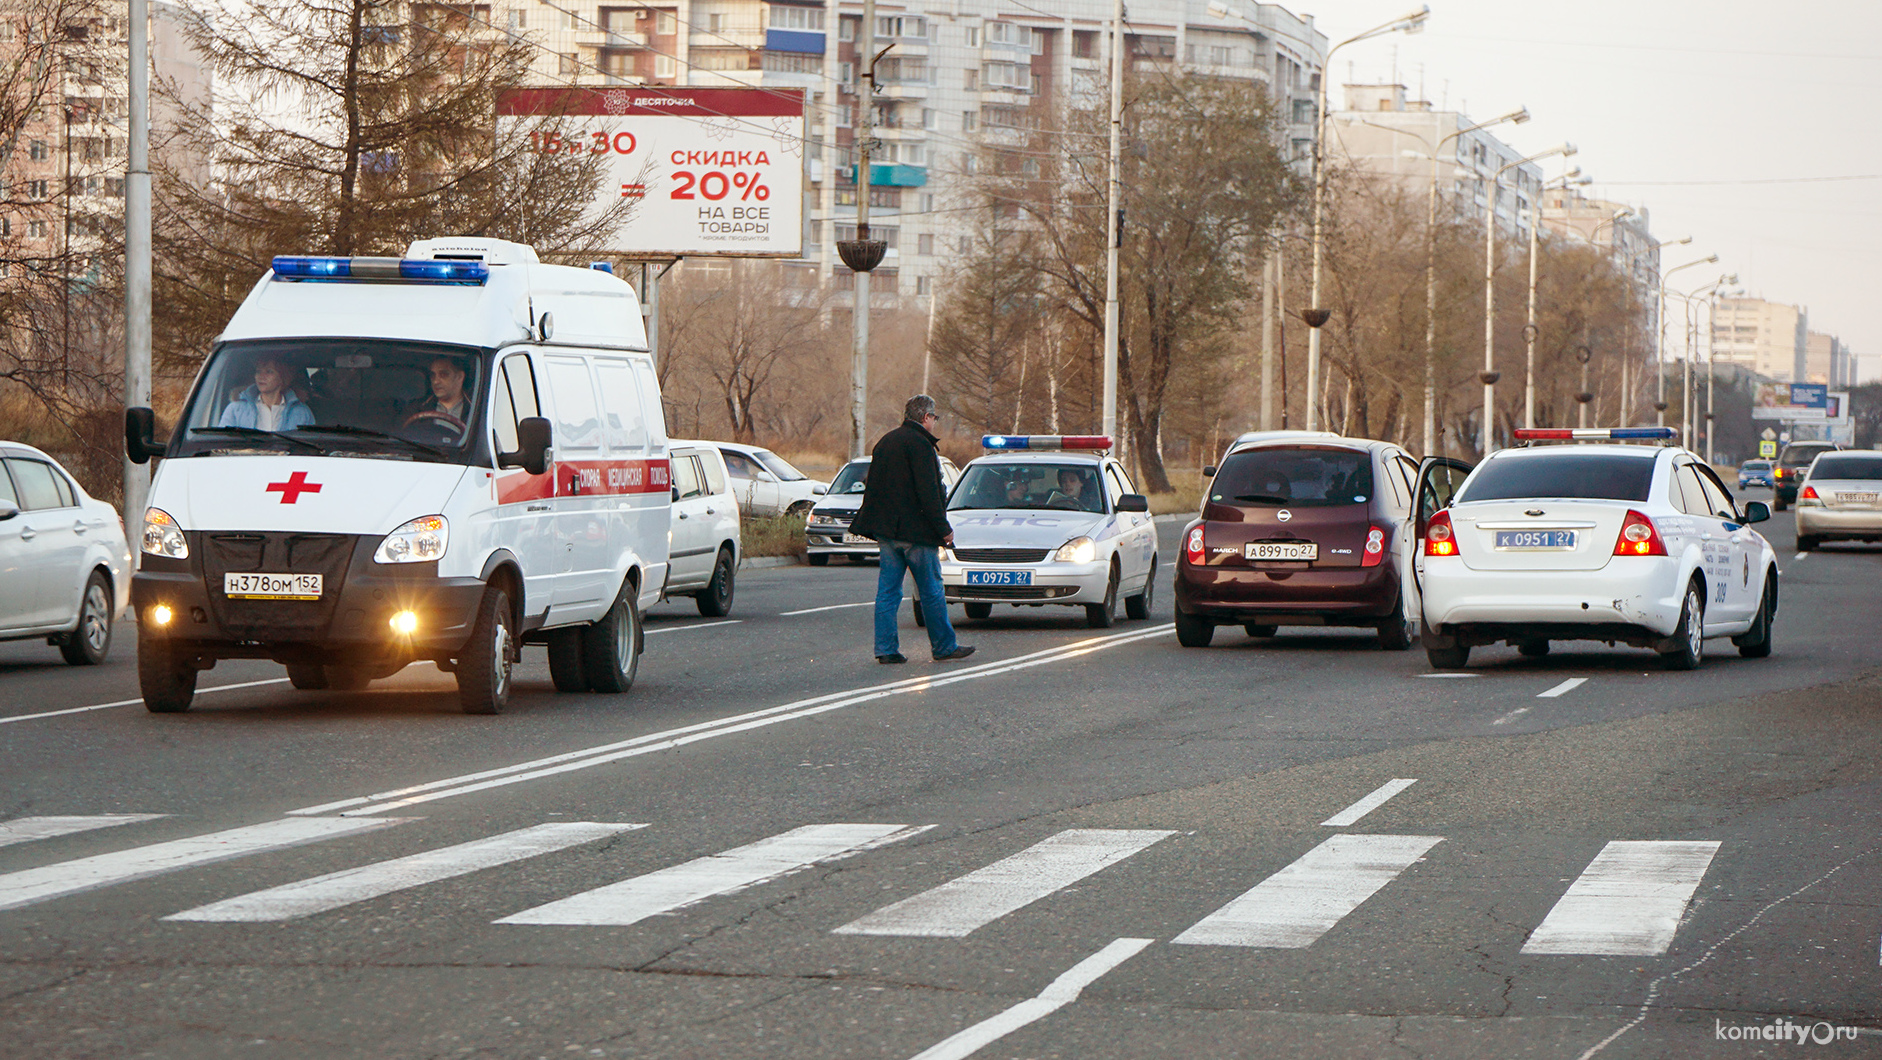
905,510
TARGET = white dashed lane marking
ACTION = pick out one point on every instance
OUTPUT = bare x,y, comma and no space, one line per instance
1352,814
1566,686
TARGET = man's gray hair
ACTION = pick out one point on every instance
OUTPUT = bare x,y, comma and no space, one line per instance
919,408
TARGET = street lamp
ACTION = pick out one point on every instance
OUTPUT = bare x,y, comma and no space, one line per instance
1582,397
1317,315
1659,346
1633,267
1489,374
1692,342
1514,117
1530,329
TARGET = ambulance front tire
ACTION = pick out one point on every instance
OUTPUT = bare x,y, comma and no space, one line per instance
611,647
565,660
166,681
483,669
308,677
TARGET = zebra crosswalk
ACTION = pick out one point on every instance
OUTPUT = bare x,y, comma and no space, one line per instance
1629,900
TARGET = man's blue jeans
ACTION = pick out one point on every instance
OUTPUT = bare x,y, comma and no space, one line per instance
924,562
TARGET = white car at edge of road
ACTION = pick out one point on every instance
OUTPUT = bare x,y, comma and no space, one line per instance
766,483
1635,544
65,565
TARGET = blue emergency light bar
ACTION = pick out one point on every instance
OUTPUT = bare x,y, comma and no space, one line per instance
1592,434
1045,441
380,270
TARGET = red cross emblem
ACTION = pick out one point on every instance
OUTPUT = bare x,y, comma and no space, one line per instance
292,489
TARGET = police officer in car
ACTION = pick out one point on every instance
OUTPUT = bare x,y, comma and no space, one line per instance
905,511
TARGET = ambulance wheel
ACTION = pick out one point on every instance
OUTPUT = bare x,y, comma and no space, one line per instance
308,677
483,670
611,647
715,600
1104,615
348,678
979,610
166,681
819,559
565,660
1139,606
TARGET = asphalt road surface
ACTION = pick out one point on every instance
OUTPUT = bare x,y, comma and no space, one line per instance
1078,843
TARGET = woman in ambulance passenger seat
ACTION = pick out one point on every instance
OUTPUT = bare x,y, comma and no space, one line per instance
269,404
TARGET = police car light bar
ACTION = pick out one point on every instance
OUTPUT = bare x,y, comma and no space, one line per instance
1045,441
1591,434
380,270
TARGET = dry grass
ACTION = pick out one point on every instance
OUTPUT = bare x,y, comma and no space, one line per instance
780,535
817,463
1185,498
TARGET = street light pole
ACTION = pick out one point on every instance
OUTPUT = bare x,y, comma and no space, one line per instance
1112,227
1316,315
1489,375
1531,329
137,254
1692,344
1659,346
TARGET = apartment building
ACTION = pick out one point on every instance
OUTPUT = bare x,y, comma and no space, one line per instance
64,178
1383,131
1827,360
956,76
1769,338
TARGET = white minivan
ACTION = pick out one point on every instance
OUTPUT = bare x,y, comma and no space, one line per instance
706,548
384,460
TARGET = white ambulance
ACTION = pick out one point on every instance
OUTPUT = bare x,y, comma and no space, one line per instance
384,460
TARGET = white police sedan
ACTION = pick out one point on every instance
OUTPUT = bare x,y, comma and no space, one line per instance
1630,544
1049,519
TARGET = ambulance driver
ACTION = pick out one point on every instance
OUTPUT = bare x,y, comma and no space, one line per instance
269,404
448,405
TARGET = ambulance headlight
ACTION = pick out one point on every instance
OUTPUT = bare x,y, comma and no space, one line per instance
1077,550
419,541
162,537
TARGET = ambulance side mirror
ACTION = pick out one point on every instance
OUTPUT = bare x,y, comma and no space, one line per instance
139,425
533,439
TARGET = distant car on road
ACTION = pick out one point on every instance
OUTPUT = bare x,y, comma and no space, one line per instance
766,484
827,534
1306,528
1755,473
1792,462
1840,499
1637,544
65,566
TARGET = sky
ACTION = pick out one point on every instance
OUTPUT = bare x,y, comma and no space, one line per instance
1722,118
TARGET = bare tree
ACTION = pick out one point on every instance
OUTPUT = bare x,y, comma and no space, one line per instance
756,341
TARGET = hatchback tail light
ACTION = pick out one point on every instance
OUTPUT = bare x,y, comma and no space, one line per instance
1638,537
1192,546
1439,541
1375,547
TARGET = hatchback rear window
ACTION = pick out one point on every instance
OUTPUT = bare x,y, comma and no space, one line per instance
1296,477
1591,476
1847,466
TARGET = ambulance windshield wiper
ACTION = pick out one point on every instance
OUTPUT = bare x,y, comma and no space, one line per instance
259,435
368,432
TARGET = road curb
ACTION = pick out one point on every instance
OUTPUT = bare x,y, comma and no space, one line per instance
764,562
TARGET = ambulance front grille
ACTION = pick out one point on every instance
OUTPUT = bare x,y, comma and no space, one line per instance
276,553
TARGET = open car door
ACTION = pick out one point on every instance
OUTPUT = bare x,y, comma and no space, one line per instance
1438,480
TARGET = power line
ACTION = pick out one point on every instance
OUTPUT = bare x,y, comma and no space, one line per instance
1766,180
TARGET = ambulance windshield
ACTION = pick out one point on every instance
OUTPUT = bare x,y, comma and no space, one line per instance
350,397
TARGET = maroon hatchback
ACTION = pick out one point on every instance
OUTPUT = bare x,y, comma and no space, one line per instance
1308,529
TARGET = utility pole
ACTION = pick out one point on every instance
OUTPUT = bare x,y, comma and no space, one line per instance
1269,272
137,257
863,254
1113,227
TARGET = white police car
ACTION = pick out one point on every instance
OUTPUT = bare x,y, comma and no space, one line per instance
1049,519
1620,543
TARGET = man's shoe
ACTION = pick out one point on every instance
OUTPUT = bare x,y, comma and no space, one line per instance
898,657
961,652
